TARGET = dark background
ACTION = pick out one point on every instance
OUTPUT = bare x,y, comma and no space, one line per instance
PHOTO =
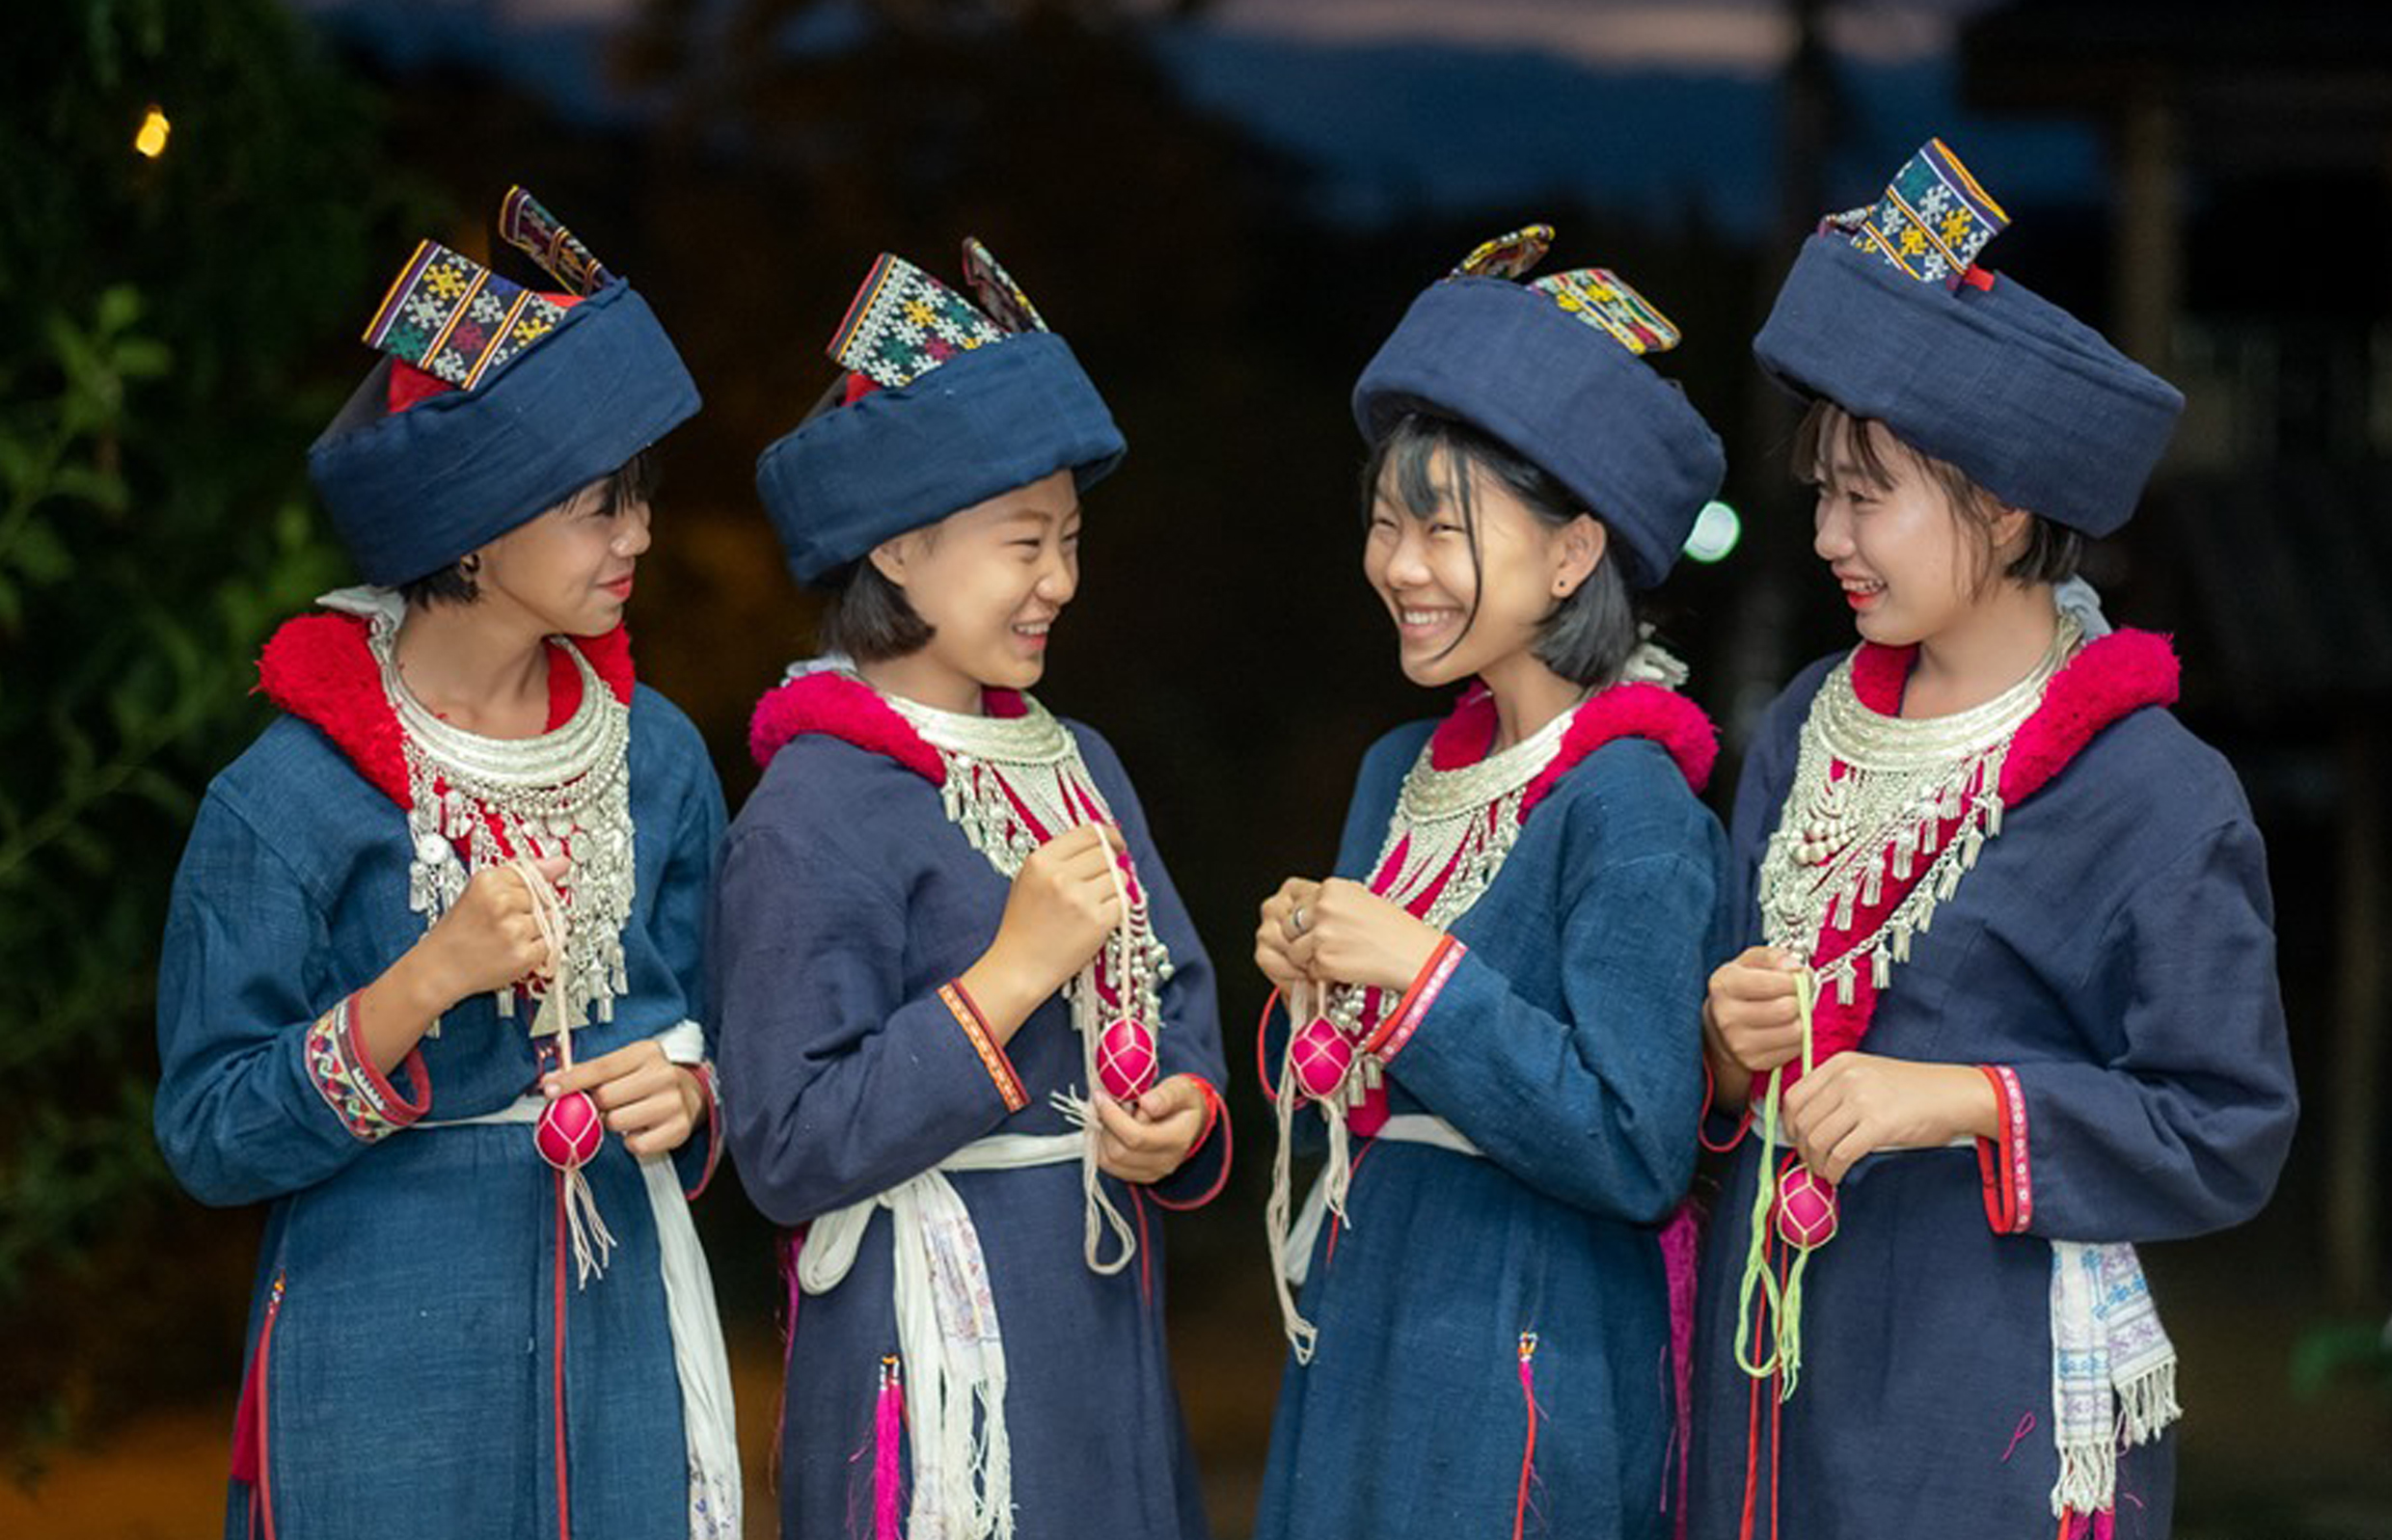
1225,206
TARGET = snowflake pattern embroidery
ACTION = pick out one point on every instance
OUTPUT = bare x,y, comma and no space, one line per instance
904,323
1933,220
456,320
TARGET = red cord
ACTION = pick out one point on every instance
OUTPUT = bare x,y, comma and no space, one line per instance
1528,1454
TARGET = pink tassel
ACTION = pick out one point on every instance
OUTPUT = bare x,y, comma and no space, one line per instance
887,1427
1681,1239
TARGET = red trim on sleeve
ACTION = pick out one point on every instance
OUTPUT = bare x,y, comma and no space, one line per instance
1216,1116
1396,1027
2002,1162
966,1012
704,1074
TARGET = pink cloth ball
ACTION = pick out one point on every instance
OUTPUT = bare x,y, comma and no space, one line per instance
1806,1209
570,1130
1125,1060
1321,1056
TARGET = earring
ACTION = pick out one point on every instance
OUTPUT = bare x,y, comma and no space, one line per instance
470,564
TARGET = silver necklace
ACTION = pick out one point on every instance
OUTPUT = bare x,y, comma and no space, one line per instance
1456,824
997,768
565,792
1871,795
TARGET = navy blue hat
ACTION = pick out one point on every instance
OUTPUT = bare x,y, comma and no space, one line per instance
1554,368
1887,315
495,403
943,407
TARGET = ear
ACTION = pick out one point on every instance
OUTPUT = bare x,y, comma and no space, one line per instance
1578,546
894,556
2008,527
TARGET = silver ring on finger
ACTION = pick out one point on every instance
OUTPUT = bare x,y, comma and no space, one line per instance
1295,922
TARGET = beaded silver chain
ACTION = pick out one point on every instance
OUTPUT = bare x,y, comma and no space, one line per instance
1871,794
1463,821
565,792
992,761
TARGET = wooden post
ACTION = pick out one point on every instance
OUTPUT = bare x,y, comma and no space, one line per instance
2355,1068
2147,254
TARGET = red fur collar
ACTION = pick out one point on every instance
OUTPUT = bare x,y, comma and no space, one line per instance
844,707
318,668
1623,711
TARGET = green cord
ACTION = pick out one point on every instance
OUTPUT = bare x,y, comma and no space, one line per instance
1785,1305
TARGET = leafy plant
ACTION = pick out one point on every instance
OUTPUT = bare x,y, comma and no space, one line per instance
159,318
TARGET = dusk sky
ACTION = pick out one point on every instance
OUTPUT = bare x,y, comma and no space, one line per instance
1666,107
1717,35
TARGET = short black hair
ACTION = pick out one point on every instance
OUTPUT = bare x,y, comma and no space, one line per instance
635,480
869,617
2052,551
1587,635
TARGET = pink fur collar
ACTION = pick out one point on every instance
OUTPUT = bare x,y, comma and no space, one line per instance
843,707
2110,678
1623,711
318,668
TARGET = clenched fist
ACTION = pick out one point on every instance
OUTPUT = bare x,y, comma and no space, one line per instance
1064,901
490,939
1348,934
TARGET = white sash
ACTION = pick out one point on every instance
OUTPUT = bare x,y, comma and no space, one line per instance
951,1351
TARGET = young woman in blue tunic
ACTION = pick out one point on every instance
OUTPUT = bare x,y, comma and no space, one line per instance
2013,1009
1492,1007
970,1027
456,888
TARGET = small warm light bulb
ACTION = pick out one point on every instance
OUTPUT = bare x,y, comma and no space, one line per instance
1716,528
151,139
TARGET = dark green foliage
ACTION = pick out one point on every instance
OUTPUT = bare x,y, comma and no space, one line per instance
157,323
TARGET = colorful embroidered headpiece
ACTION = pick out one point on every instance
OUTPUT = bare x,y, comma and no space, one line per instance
1889,313
945,404
1555,366
492,402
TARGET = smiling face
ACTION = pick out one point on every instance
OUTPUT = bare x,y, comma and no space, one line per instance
989,581
1885,526
1459,610
569,571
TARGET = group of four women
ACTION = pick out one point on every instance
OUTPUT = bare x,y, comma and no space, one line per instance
465,977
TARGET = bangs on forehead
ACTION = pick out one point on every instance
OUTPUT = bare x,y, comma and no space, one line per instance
1410,473
634,481
1832,439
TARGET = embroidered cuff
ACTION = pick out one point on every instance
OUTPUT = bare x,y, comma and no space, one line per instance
366,1103
2002,1162
1396,1028
984,1043
1216,1116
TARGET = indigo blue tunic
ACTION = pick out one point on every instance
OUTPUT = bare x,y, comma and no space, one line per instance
410,1286
1567,1046
2115,946
847,901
